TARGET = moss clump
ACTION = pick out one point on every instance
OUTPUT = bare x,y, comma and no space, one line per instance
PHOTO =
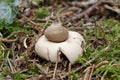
42,12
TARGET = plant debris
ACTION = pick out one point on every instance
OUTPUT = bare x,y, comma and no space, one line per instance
97,20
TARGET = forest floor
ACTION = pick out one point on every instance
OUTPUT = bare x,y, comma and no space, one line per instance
22,23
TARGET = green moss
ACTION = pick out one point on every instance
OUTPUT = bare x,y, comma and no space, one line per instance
42,12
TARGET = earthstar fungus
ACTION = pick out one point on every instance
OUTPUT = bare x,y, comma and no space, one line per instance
58,38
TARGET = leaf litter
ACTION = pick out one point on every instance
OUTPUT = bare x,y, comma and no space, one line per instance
96,20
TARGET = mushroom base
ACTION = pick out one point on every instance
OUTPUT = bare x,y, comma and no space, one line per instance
71,48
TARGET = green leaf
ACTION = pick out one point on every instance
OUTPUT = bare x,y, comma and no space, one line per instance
16,2
8,1
7,12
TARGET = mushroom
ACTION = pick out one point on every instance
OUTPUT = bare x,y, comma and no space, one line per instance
58,38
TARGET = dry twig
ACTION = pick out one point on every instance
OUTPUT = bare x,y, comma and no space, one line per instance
87,73
102,78
8,40
92,69
101,63
84,13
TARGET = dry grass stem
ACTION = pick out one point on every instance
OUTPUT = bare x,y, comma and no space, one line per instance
101,63
56,65
42,70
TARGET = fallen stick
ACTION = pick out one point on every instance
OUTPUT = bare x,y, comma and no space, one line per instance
8,40
84,13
